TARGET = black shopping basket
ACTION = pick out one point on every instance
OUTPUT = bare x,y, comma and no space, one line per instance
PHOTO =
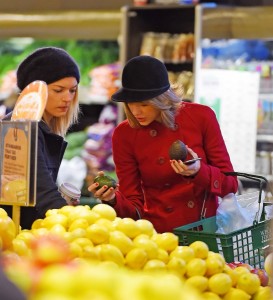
246,245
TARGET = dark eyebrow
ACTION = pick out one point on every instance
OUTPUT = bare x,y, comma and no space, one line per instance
60,86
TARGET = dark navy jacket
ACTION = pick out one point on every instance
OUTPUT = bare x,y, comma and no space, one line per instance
51,149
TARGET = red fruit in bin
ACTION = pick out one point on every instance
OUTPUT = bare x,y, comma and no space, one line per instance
262,276
236,264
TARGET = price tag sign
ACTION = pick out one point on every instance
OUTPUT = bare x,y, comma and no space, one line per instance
18,162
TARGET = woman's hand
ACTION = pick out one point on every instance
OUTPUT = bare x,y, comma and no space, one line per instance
105,193
186,170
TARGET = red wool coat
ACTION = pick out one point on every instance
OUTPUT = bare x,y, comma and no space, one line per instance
149,184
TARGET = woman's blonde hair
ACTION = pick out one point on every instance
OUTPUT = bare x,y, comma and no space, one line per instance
60,125
168,103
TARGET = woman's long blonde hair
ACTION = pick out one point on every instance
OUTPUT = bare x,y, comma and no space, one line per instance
168,103
60,125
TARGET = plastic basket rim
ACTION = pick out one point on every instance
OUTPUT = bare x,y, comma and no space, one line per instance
183,230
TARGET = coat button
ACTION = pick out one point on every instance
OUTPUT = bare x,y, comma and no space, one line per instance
216,184
176,126
167,185
161,160
190,204
153,132
169,209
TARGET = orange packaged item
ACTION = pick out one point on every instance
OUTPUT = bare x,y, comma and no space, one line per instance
31,103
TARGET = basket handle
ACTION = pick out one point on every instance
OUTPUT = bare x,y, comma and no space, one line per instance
258,178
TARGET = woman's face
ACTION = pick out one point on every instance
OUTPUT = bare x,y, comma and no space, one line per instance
145,113
61,94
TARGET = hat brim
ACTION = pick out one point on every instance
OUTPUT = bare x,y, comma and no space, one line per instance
125,95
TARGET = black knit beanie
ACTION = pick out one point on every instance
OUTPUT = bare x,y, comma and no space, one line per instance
48,64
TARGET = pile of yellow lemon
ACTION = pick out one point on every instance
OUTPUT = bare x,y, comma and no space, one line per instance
97,235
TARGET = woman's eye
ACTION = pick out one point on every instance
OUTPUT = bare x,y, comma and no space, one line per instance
57,91
73,91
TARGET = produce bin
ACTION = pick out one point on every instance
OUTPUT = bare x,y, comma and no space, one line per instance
245,245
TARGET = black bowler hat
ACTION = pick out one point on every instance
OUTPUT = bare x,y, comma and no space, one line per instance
144,77
48,64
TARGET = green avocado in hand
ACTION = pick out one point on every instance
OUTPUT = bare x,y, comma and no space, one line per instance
105,180
178,150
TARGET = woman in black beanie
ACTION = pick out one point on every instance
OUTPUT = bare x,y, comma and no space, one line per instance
60,72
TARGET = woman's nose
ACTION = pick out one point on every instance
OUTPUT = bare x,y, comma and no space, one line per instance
67,97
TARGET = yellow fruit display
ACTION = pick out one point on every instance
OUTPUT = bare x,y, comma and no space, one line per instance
177,265
121,241
198,282
220,283
248,282
129,227
7,231
184,252
97,233
167,241
196,266
214,265
201,249
136,258
236,294
105,211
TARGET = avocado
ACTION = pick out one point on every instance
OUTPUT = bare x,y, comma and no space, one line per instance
105,180
178,150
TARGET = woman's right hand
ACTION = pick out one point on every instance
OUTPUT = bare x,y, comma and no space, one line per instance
105,193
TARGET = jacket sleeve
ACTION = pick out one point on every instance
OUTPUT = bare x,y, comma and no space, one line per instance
130,196
48,196
217,160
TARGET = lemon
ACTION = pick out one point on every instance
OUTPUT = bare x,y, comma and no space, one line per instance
136,258
75,250
105,211
90,252
97,233
163,255
167,240
263,293
196,266
78,223
148,245
83,242
27,236
184,252
232,273
58,229
214,265
236,294
145,227
198,282
121,241
108,252
155,265
200,249
210,296
249,283
105,222
37,224
129,227
77,233
218,255
241,270
220,283
51,220
177,265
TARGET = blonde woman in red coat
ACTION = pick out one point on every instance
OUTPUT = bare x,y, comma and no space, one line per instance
151,186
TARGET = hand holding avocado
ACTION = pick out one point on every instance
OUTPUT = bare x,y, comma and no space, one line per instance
104,187
178,153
